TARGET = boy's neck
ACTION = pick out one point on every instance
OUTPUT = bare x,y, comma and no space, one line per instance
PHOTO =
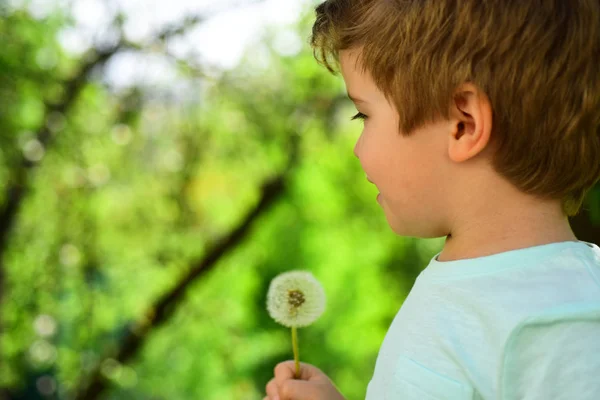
510,228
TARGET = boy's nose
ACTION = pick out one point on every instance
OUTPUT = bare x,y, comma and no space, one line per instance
356,147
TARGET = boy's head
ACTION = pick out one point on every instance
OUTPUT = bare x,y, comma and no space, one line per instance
508,85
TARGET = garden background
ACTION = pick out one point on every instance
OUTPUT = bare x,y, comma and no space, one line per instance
149,195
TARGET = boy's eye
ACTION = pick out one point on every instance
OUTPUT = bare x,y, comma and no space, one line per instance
359,116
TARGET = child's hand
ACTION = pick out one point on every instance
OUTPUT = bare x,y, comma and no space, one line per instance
313,384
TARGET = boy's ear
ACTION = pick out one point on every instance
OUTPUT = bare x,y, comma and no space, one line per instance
471,118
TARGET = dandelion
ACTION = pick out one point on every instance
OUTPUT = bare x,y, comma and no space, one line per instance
295,299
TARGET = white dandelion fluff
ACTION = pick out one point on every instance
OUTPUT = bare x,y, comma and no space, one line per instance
295,299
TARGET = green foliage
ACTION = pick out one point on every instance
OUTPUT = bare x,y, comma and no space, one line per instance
133,190
593,204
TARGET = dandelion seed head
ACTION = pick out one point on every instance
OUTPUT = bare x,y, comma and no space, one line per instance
295,299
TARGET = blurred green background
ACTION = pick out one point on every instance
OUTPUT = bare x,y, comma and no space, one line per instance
149,195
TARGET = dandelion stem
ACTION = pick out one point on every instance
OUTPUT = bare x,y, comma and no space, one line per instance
296,355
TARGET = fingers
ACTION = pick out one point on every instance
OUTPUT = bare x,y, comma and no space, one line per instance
310,383
296,390
272,390
286,370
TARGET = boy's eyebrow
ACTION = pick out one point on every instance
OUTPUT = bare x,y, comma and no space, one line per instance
355,99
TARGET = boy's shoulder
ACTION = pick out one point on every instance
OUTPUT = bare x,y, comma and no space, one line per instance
512,330
564,269
527,285
553,354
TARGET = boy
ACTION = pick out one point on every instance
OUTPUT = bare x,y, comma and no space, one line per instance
481,124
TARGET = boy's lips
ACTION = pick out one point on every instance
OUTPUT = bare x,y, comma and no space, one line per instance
378,194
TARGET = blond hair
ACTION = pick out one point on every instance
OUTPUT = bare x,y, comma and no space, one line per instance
536,61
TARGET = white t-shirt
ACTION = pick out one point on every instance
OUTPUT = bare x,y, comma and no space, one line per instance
522,324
